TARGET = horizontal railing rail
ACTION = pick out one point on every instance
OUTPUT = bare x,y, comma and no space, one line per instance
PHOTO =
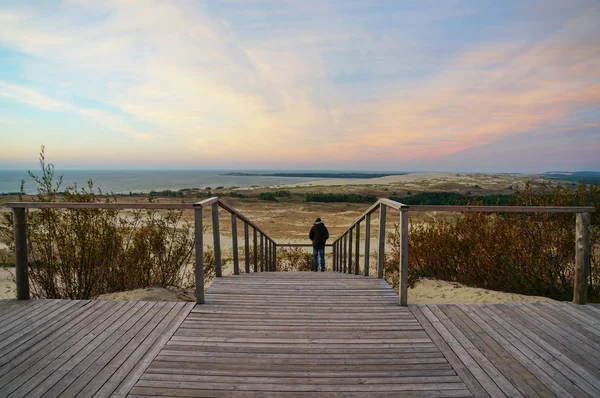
300,245
264,247
343,245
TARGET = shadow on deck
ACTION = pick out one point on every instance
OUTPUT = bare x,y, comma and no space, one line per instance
297,334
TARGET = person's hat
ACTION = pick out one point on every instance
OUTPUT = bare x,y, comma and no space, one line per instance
318,219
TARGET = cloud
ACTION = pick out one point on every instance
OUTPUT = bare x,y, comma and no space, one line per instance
280,82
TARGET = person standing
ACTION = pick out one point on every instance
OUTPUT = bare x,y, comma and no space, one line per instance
319,235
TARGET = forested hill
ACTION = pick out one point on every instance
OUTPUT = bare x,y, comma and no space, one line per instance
589,177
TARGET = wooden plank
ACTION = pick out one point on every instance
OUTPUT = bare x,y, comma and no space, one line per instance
38,326
551,378
73,372
146,392
135,364
94,376
259,332
47,369
461,369
20,351
568,349
553,357
464,355
518,375
14,373
67,372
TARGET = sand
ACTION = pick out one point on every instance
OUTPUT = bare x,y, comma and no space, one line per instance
432,291
426,291
8,288
152,294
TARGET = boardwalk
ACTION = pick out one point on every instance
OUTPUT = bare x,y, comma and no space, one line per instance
297,334
291,334
54,348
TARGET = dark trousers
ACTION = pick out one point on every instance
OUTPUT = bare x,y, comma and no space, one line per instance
318,251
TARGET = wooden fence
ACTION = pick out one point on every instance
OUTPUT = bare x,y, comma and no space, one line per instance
265,248
343,245
262,242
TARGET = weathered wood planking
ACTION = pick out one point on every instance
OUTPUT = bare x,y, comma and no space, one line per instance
542,349
300,334
54,348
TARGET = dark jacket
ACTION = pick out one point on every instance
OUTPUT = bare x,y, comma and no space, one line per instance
319,234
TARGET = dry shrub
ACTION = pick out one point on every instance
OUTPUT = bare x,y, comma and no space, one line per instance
526,253
82,253
293,259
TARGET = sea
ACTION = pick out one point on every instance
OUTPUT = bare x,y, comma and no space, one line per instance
144,181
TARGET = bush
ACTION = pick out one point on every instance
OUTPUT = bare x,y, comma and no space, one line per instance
293,259
338,197
270,196
526,253
82,253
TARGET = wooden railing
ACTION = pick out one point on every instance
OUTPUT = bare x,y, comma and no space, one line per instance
342,246
261,240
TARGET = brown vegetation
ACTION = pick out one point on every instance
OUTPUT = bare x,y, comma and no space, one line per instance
530,254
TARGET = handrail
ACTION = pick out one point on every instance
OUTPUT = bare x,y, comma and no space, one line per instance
506,209
96,205
268,247
342,252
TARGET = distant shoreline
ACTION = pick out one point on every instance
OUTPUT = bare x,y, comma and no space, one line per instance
317,175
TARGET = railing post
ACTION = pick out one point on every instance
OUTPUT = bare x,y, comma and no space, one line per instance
262,253
246,249
21,264
268,255
255,242
216,238
403,271
357,254
339,255
345,253
234,241
350,242
381,252
333,257
367,242
274,257
582,257
199,245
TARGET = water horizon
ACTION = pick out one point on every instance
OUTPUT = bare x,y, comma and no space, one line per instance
145,181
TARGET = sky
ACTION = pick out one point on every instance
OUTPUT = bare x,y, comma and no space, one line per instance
488,86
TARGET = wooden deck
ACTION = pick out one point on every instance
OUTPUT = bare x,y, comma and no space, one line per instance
297,334
300,334
519,350
51,348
